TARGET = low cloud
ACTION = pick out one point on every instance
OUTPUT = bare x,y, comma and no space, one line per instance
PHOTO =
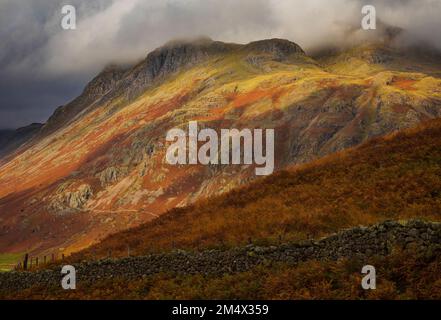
56,63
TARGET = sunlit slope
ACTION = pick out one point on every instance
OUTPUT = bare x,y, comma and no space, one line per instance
391,178
102,168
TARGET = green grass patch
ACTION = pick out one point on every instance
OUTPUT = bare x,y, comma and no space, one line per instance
9,260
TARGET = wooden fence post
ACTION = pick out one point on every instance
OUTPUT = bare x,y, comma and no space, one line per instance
44,259
53,257
25,262
36,261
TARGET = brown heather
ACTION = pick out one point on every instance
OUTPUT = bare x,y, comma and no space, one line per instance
402,275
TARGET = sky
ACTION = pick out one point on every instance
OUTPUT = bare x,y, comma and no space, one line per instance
43,66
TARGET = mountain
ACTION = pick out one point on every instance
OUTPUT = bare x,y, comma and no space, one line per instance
11,140
98,165
304,233
395,177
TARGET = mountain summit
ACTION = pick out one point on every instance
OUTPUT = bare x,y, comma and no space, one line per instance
278,47
175,55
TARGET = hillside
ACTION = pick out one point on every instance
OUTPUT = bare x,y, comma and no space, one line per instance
97,166
391,178
406,255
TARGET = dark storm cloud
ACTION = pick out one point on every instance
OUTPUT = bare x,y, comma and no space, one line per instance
28,92
43,66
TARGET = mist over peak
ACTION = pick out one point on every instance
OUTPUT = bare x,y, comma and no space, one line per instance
52,65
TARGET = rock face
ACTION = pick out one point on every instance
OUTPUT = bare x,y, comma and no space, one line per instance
71,199
112,137
169,59
109,176
105,81
280,49
362,242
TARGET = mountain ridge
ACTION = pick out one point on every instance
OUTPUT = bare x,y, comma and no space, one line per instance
159,63
101,167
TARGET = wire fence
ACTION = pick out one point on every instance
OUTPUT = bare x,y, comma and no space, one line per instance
29,262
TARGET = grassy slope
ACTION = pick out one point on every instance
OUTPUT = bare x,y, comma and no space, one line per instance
396,177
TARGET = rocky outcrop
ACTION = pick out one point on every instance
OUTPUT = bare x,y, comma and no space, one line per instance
361,242
71,199
110,175
105,81
169,59
280,49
